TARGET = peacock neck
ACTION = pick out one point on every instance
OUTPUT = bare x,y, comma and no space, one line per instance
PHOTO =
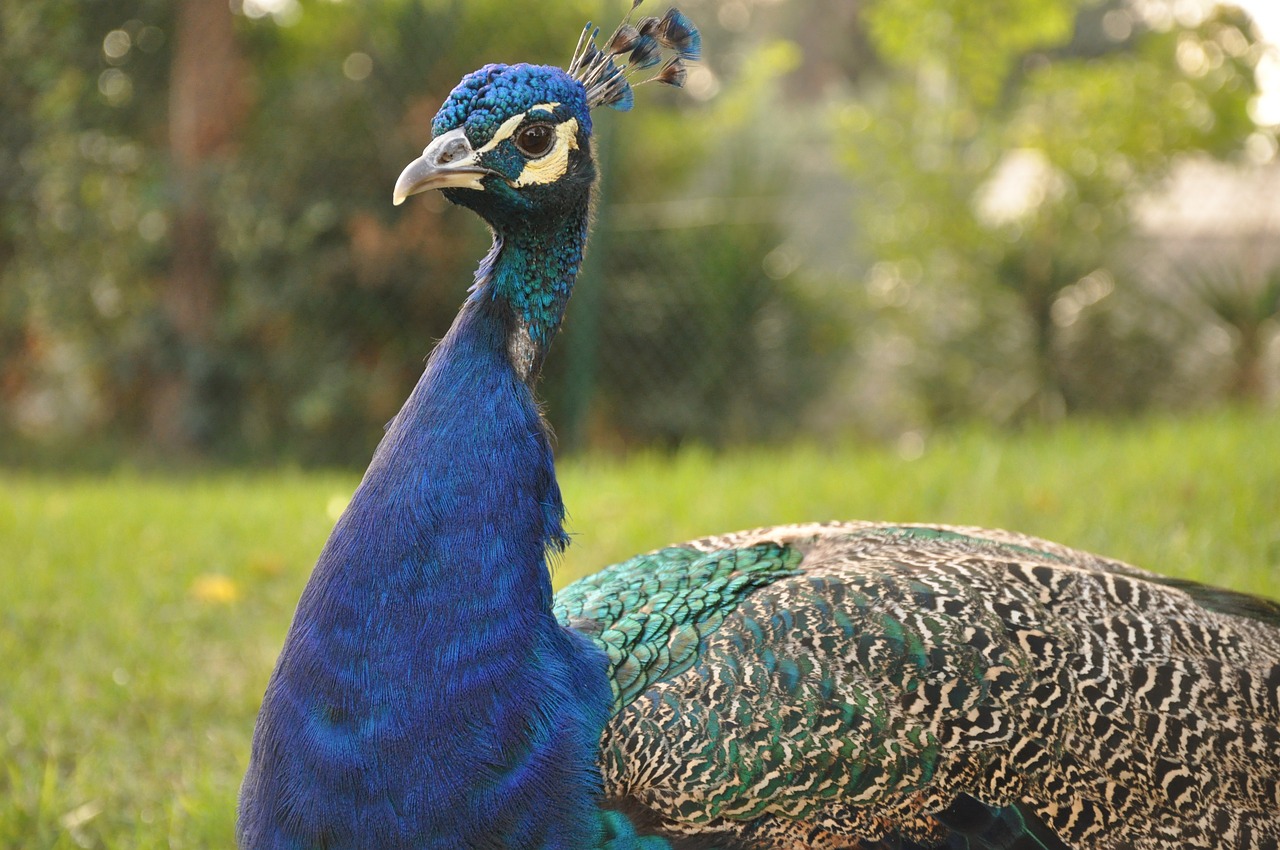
531,269
469,454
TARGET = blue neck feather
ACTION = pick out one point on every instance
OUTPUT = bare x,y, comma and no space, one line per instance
532,268
425,696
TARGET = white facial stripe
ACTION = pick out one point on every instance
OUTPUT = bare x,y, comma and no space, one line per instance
508,127
504,132
552,165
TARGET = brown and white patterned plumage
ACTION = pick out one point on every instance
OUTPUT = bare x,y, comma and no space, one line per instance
857,680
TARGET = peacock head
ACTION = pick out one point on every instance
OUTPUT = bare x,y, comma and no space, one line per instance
513,142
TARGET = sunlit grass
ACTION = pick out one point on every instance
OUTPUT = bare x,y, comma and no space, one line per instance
141,615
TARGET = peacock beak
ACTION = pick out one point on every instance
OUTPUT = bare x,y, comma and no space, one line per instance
447,163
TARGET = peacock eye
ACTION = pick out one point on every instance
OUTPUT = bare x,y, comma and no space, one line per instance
535,140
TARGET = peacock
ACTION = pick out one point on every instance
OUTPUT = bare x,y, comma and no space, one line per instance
840,685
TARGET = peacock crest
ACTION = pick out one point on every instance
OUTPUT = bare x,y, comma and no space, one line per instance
606,73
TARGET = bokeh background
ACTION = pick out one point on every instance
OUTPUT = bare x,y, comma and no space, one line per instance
871,217
1009,263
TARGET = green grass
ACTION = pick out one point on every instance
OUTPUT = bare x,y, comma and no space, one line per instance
141,615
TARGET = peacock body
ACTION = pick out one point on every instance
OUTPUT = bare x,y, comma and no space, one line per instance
847,685
854,685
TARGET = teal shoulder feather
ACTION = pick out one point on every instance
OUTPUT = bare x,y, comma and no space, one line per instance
651,614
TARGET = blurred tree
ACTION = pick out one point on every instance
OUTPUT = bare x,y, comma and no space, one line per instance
998,150
1248,307
208,104
81,206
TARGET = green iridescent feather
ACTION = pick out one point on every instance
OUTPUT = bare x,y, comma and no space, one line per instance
650,614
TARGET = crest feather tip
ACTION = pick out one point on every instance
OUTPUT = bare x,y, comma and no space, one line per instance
679,34
605,73
672,74
626,100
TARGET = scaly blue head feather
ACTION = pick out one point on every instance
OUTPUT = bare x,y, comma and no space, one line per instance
484,99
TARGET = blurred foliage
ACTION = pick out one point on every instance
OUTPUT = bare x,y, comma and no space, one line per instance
993,152
1247,306
999,154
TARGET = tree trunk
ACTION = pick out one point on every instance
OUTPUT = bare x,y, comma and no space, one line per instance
207,108
1248,381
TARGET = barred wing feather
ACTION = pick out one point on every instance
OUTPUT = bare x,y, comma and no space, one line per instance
868,686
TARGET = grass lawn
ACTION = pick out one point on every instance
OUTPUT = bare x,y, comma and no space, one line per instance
140,616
